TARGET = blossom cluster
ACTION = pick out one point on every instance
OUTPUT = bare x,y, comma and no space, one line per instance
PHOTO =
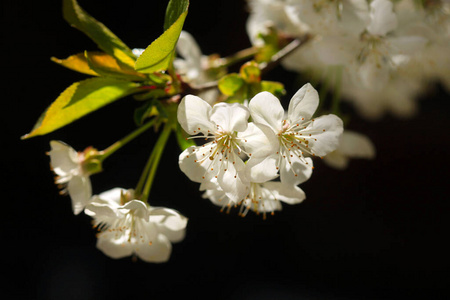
379,54
127,226
256,164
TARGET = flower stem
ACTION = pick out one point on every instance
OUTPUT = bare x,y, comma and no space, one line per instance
238,56
153,163
117,145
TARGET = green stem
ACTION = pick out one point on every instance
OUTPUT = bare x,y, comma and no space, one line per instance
119,144
155,158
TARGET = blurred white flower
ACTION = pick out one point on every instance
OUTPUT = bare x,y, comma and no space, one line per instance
299,135
130,227
193,65
351,145
227,126
71,174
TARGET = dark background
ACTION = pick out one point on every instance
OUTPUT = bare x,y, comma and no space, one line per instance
378,230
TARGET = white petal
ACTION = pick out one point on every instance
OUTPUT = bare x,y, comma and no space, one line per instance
382,17
139,209
406,44
327,131
80,192
188,48
194,113
113,247
303,104
170,223
356,145
63,158
266,109
100,210
337,50
336,160
194,165
233,183
355,15
374,72
263,170
285,193
158,252
297,166
259,140
230,117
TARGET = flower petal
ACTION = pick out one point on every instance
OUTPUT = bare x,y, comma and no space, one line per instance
80,191
169,223
259,140
303,104
288,194
263,170
194,166
336,160
114,247
325,134
158,252
302,168
188,48
382,17
194,113
356,145
266,109
230,117
63,158
233,183
139,209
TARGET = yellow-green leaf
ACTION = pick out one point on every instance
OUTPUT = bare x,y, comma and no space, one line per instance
77,63
159,55
80,99
230,84
98,32
106,65
273,87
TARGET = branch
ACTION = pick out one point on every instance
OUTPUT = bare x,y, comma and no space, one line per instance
265,66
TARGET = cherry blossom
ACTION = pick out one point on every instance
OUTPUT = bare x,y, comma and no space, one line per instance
130,227
226,126
300,136
72,176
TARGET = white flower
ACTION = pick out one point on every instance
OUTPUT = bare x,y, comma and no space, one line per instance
194,65
130,227
227,126
298,134
351,145
68,166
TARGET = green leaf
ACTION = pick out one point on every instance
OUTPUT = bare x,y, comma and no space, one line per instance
99,33
159,55
182,138
106,65
80,99
230,84
273,87
174,10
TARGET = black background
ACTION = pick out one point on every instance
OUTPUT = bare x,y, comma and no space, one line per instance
378,230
